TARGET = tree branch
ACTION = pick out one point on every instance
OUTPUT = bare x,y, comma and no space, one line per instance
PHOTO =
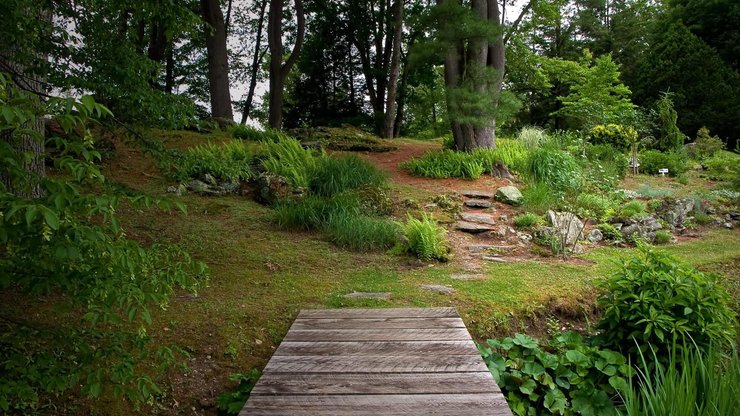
518,20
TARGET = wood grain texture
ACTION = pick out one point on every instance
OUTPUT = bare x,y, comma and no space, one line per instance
379,313
377,348
381,383
490,404
399,361
377,323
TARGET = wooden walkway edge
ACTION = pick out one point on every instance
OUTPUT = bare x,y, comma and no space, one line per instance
401,361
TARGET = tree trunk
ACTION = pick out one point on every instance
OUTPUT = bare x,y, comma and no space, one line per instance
169,69
218,59
256,62
279,70
395,70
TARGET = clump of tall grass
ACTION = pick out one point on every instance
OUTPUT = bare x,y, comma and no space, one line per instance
314,212
334,175
287,158
532,137
362,233
538,198
424,238
693,382
528,220
558,169
229,161
243,132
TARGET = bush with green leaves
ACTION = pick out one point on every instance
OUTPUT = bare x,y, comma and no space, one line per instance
287,158
424,238
725,167
564,376
633,209
705,145
231,161
605,167
620,137
595,206
653,301
662,237
694,381
610,232
557,169
66,248
232,402
528,220
651,161
334,175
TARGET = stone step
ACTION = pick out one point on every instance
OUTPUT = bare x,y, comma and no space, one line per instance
445,290
478,218
495,259
478,203
477,194
472,227
467,276
369,295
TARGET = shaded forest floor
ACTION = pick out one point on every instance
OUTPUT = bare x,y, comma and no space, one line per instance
262,277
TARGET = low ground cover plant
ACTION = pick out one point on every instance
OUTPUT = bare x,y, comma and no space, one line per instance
528,220
288,159
564,375
232,161
424,238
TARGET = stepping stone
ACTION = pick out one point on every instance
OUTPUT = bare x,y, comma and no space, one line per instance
478,203
480,248
439,289
495,259
472,227
369,295
477,194
479,218
467,276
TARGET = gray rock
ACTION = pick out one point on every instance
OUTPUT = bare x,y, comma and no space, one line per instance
502,230
477,194
735,216
178,190
210,180
478,248
509,195
503,218
728,225
472,227
566,224
478,203
524,236
202,188
595,236
230,187
439,289
369,295
676,211
495,259
479,218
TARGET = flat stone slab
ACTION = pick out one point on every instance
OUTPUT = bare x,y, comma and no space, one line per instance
439,289
478,203
472,227
479,218
477,194
479,248
495,259
467,276
369,295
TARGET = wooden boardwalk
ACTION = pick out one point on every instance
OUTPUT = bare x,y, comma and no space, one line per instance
377,362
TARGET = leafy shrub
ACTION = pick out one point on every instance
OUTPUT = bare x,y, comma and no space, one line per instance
528,220
662,237
610,232
333,175
595,206
703,219
705,146
287,158
724,166
693,382
669,137
232,402
615,135
613,162
244,132
651,161
532,137
538,198
654,301
555,168
230,161
424,238
564,376
633,209
362,233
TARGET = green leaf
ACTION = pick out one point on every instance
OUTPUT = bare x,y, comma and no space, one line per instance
528,387
578,358
555,401
50,217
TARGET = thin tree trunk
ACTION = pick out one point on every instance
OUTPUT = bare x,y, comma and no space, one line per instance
256,62
169,69
278,70
395,70
218,59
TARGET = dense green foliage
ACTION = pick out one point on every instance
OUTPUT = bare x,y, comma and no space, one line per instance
424,238
654,302
232,402
67,246
705,145
633,209
528,220
595,206
230,161
556,168
362,233
562,376
615,135
651,161
696,381
287,158
334,175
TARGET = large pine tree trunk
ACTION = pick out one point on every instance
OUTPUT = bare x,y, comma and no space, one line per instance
218,59
395,70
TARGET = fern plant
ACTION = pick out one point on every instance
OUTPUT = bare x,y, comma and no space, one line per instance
425,239
287,158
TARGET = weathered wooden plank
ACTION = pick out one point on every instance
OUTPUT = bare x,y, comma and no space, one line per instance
379,313
491,404
375,364
450,334
377,348
383,383
378,323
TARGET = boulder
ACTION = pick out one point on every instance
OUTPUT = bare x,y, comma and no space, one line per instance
676,211
478,203
509,195
272,188
595,236
566,224
643,228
